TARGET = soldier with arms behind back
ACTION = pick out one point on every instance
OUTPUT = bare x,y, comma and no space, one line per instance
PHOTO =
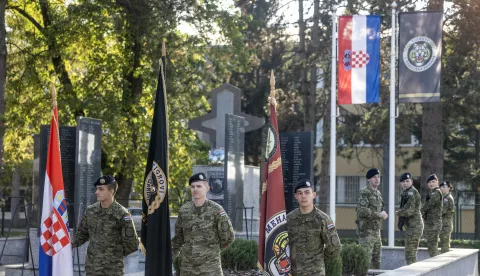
432,215
312,234
369,217
447,216
109,228
202,230
410,217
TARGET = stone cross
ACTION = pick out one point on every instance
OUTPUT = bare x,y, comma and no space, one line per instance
226,99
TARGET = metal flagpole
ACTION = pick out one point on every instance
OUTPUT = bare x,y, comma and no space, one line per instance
333,116
391,163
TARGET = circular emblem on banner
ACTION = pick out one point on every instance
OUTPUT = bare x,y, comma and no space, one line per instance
277,253
419,53
155,187
272,143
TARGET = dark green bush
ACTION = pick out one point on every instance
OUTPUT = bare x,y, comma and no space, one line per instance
334,267
354,259
240,255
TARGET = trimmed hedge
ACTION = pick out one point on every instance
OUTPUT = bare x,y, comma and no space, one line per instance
354,259
240,255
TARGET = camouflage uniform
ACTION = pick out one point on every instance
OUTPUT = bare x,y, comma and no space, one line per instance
370,203
112,236
313,238
432,215
447,222
200,234
410,206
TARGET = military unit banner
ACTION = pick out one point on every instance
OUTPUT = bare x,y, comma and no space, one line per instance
155,235
273,249
420,53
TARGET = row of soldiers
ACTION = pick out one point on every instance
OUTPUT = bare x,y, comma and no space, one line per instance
203,228
434,219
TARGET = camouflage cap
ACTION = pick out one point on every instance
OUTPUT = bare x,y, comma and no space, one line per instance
197,177
304,183
405,176
105,180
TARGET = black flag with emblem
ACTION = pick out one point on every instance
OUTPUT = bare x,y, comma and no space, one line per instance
420,55
155,236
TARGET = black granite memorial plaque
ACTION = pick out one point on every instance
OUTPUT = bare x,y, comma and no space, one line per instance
67,151
234,168
216,181
88,163
297,162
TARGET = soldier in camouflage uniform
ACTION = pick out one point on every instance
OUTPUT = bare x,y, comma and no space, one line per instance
447,216
109,228
312,234
432,215
410,217
369,217
202,230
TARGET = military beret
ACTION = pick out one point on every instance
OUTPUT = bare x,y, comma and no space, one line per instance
197,177
446,183
304,183
432,177
372,172
405,176
105,180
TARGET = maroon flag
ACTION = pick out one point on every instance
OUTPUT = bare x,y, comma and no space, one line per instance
273,249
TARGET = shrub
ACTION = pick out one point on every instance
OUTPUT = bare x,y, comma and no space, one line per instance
333,267
354,259
240,255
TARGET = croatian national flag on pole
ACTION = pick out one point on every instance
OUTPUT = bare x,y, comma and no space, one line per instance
55,254
358,59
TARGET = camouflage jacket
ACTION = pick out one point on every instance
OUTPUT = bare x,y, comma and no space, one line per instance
111,235
200,234
432,210
313,239
410,207
448,210
369,204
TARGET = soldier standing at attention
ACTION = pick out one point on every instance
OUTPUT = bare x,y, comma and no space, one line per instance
410,217
369,216
202,230
109,228
312,234
432,215
447,216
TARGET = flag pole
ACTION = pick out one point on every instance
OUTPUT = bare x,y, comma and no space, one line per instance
333,117
391,148
272,86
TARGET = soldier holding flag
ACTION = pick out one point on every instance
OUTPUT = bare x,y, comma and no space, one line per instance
202,230
312,234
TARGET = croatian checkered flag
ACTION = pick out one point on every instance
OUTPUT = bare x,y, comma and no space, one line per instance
55,254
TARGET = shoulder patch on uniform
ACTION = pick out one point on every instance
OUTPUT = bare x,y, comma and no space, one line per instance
363,202
222,213
331,226
410,193
127,217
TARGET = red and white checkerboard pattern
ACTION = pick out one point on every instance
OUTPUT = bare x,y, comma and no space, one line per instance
360,59
54,234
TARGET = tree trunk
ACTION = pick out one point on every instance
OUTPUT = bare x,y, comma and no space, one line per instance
3,77
432,130
477,186
303,63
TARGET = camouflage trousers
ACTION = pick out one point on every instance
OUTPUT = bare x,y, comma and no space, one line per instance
412,239
373,245
432,241
445,238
